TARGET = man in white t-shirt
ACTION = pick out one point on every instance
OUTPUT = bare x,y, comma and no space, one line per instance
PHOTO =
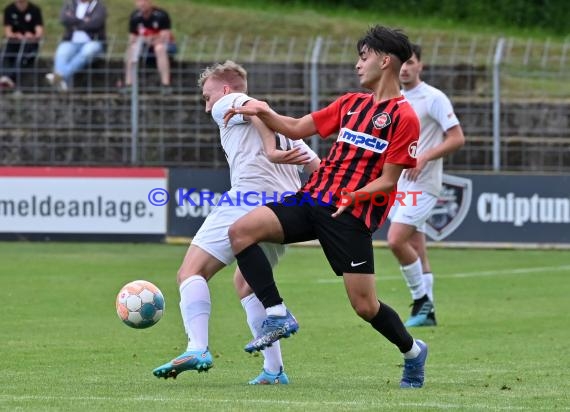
262,168
440,135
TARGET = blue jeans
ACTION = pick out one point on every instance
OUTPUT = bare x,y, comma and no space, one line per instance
72,57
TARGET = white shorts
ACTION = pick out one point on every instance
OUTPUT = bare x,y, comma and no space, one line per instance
213,238
413,212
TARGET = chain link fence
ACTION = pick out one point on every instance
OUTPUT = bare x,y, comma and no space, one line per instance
95,124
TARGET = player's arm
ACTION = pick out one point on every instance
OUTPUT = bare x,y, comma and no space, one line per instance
381,187
453,141
295,156
312,165
289,126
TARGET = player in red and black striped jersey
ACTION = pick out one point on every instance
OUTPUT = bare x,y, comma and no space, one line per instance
346,199
370,135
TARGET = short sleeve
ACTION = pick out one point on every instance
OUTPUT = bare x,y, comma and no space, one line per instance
7,16
165,23
39,18
222,106
327,120
305,147
441,111
133,29
404,142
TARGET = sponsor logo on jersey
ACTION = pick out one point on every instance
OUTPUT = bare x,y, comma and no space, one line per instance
381,120
362,140
451,208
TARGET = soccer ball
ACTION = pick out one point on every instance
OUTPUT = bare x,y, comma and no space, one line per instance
140,304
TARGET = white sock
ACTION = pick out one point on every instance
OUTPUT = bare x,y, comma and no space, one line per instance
277,310
428,283
414,279
195,307
255,314
414,352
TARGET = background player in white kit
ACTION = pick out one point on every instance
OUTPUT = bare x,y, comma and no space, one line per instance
440,135
249,145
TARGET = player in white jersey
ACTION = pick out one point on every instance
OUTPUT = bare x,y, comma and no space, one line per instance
440,135
261,162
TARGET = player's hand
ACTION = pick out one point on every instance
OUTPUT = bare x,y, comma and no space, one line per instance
251,108
346,200
413,174
295,156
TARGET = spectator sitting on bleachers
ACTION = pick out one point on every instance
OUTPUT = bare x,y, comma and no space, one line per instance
153,25
83,40
23,30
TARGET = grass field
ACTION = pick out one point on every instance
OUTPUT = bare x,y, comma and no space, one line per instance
502,342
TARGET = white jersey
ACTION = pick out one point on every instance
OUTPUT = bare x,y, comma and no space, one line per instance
436,117
250,169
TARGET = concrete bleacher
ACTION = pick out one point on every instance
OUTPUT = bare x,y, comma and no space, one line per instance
92,123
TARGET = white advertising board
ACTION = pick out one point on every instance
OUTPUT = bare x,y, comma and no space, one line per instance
81,200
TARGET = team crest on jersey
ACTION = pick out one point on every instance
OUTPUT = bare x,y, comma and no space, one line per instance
451,208
412,149
381,120
362,140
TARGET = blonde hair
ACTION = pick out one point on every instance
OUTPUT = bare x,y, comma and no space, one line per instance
231,73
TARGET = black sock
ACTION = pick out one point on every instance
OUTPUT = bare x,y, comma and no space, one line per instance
257,271
423,299
389,324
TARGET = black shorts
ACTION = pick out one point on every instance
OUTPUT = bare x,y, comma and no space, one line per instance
345,239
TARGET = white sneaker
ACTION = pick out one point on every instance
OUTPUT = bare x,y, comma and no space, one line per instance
6,82
50,77
57,81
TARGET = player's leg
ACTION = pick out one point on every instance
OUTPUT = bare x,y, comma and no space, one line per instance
419,243
209,252
275,222
197,268
347,244
362,295
404,224
273,371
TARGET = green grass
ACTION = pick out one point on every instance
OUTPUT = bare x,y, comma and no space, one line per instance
277,18
502,341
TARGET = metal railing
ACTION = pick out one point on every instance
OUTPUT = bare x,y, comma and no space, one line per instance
514,103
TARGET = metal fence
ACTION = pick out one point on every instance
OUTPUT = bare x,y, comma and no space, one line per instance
513,101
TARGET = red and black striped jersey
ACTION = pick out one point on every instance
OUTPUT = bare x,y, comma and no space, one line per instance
370,134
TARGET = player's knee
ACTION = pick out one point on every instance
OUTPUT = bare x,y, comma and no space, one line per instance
181,276
394,241
241,286
184,274
364,309
238,238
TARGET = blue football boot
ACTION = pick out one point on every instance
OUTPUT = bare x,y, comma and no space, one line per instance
421,311
190,360
413,376
273,329
267,378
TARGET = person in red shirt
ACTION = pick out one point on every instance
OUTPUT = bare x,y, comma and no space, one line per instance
345,200
153,25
